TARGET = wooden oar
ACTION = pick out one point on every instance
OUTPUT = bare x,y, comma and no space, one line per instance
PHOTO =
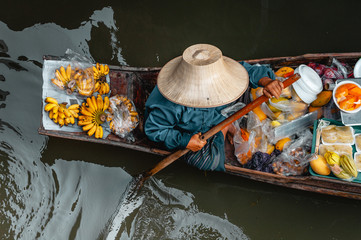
174,156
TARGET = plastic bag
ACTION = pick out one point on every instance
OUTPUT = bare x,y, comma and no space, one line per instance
295,158
82,73
290,109
230,110
123,116
262,161
329,74
244,145
75,74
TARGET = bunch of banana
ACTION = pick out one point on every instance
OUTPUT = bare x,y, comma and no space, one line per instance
100,70
59,113
342,166
93,115
99,73
332,158
121,106
102,87
63,79
348,165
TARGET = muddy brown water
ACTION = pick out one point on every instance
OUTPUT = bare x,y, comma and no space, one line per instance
54,188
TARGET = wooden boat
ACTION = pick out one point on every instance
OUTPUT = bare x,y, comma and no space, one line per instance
137,84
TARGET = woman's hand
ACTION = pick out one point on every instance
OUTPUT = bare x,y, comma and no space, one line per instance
195,143
271,88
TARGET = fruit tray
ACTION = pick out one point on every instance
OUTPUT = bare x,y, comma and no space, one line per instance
357,129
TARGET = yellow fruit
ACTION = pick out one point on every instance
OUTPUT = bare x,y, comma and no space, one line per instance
332,158
322,99
283,70
282,143
318,109
258,111
275,100
319,165
270,148
275,123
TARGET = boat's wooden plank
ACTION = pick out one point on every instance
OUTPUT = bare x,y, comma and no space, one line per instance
294,61
307,183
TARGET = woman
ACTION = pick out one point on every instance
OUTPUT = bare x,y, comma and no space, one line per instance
191,92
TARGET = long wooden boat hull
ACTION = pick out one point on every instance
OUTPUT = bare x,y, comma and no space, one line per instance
137,84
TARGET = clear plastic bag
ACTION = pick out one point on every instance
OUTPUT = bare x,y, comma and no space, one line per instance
290,109
74,74
123,116
82,73
295,158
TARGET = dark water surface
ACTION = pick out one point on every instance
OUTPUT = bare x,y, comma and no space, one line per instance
53,188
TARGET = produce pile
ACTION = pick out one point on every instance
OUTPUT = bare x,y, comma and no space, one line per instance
95,113
258,149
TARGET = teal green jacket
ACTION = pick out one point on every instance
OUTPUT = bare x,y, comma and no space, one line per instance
173,125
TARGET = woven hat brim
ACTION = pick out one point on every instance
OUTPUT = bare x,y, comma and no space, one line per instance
215,87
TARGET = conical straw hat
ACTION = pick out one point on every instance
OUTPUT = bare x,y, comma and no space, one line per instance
202,78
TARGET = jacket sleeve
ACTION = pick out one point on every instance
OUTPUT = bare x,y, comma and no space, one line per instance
256,72
160,126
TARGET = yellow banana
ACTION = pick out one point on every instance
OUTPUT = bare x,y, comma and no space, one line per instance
61,115
111,125
90,104
55,116
67,112
102,68
94,102
74,113
106,69
84,123
51,100
68,71
67,120
49,106
55,109
85,118
95,70
51,114
89,126
85,112
72,120
92,130
59,76
60,121
73,107
61,109
96,87
63,73
106,103
97,131
58,83
101,132
100,102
